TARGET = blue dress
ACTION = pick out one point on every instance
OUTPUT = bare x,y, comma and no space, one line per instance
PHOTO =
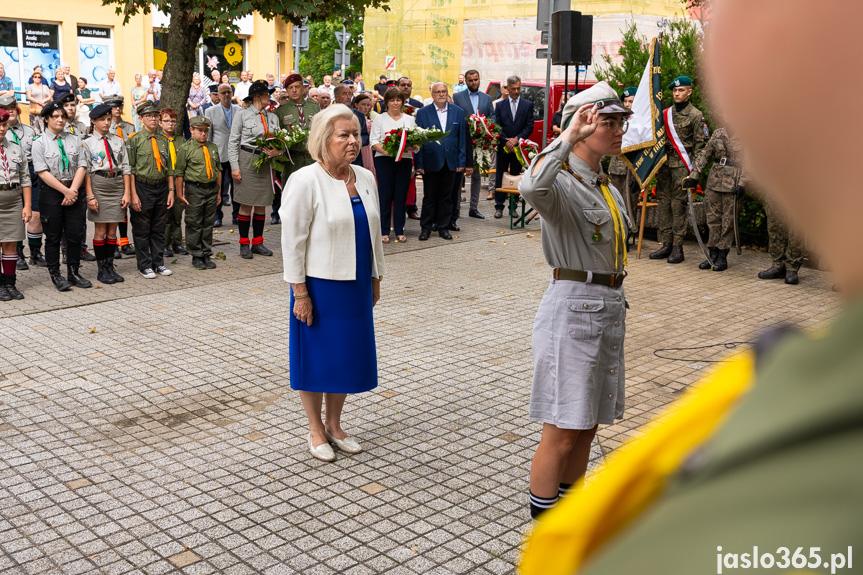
337,353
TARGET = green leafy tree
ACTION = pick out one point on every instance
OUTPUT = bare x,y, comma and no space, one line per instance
192,19
319,59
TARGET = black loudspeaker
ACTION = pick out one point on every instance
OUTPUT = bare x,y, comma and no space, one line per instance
571,38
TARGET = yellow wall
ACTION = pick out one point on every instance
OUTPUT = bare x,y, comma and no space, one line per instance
133,43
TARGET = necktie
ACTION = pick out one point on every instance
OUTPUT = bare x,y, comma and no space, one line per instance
264,123
64,165
618,225
514,107
156,155
109,154
173,152
5,163
207,161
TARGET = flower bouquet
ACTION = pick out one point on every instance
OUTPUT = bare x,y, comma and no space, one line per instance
409,110
484,135
281,140
526,151
399,140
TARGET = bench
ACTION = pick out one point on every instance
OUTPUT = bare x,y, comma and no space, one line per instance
516,204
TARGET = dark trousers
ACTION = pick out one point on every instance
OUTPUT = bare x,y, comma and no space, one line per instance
457,185
437,199
506,162
393,181
227,192
148,225
59,221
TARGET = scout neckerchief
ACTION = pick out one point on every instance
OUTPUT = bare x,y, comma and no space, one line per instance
119,131
65,163
172,150
207,161
615,216
264,123
5,163
15,136
674,138
156,154
302,116
109,154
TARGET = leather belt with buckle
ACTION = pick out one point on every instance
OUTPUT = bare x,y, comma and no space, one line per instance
250,149
610,280
6,187
148,182
199,184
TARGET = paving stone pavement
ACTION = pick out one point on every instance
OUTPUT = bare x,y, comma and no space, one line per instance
149,427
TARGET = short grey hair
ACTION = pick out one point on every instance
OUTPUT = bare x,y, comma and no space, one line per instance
513,80
323,126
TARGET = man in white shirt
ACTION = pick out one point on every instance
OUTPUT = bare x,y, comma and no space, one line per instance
109,86
241,90
328,86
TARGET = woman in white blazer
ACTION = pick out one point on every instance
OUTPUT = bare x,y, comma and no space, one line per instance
334,261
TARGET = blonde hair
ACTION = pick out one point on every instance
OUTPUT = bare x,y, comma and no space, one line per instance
323,126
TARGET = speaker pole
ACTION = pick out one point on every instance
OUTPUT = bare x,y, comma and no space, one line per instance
547,77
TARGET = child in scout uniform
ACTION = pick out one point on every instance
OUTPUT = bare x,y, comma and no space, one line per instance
198,177
22,134
152,192
61,203
124,130
174,221
76,128
14,207
108,184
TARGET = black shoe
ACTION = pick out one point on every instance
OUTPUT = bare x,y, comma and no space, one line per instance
61,283
445,234
36,258
714,255
476,214
76,279
109,265
720,263
235,221
167,253
772,273
261,250
454,227
245,251
128,250
275,221
424,235
211,265
117,254
103,275
217,224
676,256
226,201
21,264
790,278
663,252
87,256
8,284
4,293
180,250
498,213
198,263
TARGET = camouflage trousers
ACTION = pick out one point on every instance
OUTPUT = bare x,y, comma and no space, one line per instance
720,219
673,219
785,248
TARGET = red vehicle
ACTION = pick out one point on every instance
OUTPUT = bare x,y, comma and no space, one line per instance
534,91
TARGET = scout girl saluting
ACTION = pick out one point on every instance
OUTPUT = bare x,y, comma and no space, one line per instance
108,184
14,207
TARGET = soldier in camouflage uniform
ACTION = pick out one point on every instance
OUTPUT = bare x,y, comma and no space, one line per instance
617,170
785,248
724,188
692,130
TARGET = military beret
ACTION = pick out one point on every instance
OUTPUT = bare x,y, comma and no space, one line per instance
100,110
50,107
680,81
68,98
4,116
293,78
348,82
147,107
600,94
199,121
7,101
628,92
214,88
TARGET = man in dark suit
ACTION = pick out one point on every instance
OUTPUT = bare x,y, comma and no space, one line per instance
440,163
515,118
342,94
472,101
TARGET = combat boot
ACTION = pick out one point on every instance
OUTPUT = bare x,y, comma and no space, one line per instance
76,279
21,264
36,257
246,251
9,284
720,264
661,253
714,254
676,256
790,277
4,295
103,275
61,283
109,265
773,273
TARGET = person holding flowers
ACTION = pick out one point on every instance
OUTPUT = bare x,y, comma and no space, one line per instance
254,185
393,171
477,106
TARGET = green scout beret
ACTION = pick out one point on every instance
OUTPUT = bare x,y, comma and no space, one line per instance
628,92
147,108
680,81
199,121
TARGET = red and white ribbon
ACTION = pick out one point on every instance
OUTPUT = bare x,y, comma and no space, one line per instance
402,145
675,139
479,118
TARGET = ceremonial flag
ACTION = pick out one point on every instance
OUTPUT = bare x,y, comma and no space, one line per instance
643,148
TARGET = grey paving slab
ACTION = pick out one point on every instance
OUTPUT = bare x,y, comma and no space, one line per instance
151,424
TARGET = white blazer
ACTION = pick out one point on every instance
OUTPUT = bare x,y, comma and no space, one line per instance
318,226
